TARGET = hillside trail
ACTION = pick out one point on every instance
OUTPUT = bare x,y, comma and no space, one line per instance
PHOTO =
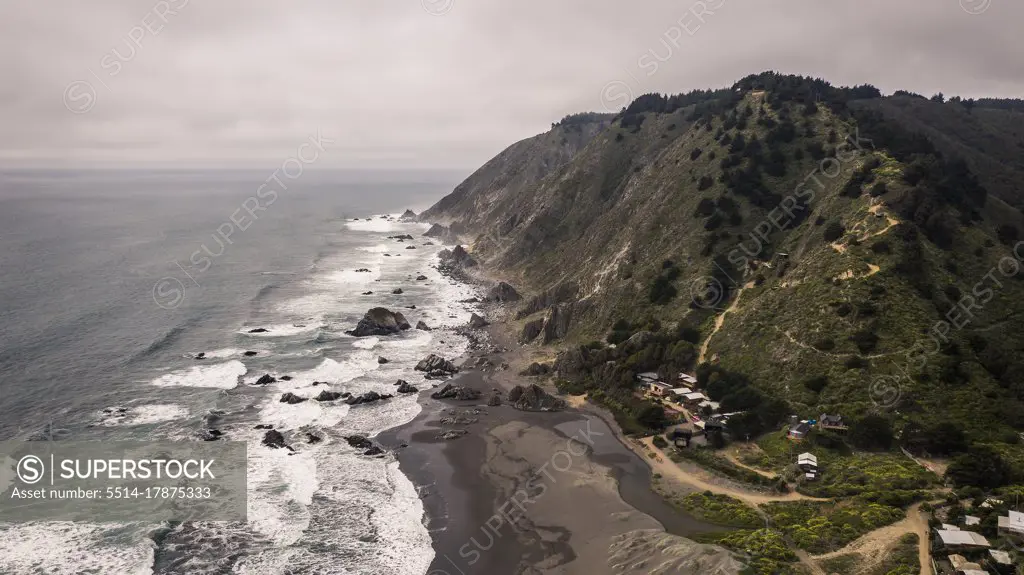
664,466
735,461
873,546
720,321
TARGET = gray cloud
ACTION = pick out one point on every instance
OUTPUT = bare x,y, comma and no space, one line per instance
241,83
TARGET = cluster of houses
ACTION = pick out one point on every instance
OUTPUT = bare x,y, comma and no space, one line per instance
683,392
799,429
959,541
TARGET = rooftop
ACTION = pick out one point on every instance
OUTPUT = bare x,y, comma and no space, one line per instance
962,538
1001,557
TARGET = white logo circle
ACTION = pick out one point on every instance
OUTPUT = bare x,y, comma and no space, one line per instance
30,469
166,294
613,92
79,97
975,6
437,7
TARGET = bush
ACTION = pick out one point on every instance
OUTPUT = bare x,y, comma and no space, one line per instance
834,231
659,441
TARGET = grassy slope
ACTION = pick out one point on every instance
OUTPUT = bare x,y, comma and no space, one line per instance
625,202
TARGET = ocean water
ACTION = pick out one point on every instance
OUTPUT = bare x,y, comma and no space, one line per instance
104,303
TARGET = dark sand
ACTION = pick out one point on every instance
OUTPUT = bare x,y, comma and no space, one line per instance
536,492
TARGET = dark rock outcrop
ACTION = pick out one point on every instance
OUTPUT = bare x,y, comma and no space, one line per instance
381,359
477,322
200,355
452,391
249,353
444,234
557,322
331,395
533,398
210,434
368,397
380,321
397,291
562,293
435,363
495,400
286,378
274,439
259,330
407,216
313,438
292,399
265,379
531,330
535,369
420,278
504,293
422,325
406,387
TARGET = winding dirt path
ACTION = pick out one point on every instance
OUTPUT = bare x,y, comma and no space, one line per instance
664,466
875,545
720,321
735,461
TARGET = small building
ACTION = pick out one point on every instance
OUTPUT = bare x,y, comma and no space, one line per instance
679,392
693,399
964,567
832,422
991,502
687,379
971,520
1012,524
799,431
647,376
1000,557
962,540
713,426
659,388
808,463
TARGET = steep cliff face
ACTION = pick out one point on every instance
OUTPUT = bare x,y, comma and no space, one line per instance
798,239
496,189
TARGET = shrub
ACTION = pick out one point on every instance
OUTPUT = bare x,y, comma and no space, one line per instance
834,231
659,441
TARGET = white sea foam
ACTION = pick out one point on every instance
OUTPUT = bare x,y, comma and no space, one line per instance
375,224
66,548
218,375
400,523
366,342
284,329
144,415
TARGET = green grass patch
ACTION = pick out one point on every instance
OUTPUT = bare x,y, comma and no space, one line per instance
721,510
765,549
823,527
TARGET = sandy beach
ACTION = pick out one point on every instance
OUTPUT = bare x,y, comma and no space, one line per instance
539,492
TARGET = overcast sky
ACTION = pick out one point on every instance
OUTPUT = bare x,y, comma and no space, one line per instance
437,83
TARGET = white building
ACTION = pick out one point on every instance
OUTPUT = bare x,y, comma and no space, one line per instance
1012,524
